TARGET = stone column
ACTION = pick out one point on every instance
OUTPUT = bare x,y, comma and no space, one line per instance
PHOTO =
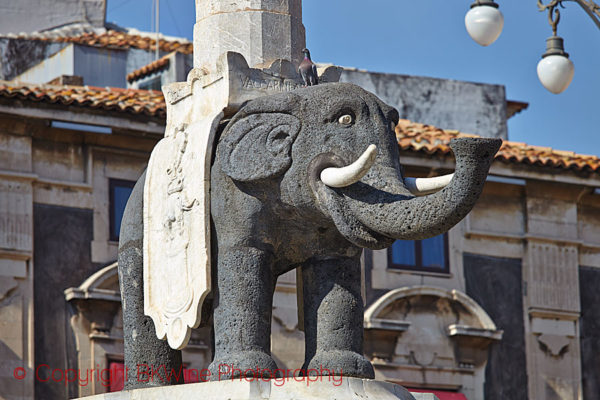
16,267
261,30
552,309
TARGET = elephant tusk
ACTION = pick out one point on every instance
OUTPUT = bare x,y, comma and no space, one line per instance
423,186
346,176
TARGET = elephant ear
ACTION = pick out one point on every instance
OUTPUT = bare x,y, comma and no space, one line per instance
257,143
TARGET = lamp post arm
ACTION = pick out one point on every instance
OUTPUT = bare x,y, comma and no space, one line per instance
589,6
592,9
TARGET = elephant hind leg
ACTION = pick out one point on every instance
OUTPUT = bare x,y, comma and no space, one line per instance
144,352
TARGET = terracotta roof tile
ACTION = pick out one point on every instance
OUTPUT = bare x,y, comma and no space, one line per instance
411,136
432,140
116,39
148,102
149,69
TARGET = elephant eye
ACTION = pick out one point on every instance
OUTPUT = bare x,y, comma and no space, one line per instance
346,119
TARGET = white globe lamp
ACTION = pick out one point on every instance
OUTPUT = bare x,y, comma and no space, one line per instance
555,70
484,22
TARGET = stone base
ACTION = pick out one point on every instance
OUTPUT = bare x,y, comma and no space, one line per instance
317,388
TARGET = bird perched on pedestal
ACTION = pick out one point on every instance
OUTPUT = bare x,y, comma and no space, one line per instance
308,70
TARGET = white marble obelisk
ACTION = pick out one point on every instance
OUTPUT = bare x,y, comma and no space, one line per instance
261,30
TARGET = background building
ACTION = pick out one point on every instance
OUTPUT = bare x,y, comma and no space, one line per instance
502,306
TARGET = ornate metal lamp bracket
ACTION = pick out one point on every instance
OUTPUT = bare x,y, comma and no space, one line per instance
589,6
552,8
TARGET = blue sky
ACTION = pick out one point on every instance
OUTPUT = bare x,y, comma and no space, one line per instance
428,38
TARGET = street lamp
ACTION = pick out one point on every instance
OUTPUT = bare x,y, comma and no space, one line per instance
484,24
555,70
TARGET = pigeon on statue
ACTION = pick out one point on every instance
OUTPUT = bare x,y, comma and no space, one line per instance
308,70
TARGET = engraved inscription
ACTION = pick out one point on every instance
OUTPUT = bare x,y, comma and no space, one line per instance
271,84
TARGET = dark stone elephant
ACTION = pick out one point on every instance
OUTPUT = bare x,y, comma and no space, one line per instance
272,212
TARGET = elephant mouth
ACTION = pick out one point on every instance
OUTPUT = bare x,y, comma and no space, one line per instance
331,202
374,211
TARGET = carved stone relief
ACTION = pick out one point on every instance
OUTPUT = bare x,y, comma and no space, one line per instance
555,354
554,345
7,284
16,215
552,276
177,246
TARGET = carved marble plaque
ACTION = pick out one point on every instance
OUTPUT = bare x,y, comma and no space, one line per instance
177,229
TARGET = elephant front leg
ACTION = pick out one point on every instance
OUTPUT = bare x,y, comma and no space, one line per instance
242,314
333,318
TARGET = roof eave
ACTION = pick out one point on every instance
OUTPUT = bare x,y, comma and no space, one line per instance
413,158
121,120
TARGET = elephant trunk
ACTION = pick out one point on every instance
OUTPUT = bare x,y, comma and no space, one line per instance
380,208
413,218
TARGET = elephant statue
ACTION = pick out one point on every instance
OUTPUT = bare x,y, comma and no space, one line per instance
302,179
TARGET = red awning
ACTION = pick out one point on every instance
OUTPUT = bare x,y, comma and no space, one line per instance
441,394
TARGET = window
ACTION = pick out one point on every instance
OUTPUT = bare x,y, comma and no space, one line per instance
119,194
428,255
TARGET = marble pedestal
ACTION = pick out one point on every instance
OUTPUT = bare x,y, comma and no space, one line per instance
317,388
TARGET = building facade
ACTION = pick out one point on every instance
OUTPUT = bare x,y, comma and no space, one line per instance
502,306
